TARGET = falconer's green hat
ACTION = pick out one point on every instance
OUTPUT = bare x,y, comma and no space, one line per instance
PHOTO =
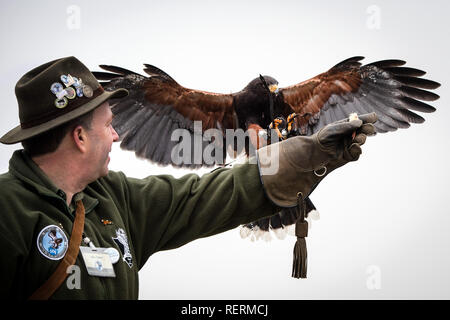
53,94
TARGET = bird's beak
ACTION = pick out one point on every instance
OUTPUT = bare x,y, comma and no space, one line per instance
273,88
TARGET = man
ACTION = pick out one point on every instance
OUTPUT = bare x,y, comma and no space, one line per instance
64,213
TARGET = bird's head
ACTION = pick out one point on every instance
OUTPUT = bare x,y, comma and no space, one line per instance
263,84
270,84
257,101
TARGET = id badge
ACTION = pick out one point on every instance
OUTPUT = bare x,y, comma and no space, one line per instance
98,263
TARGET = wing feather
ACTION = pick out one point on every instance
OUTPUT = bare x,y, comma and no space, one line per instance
418,82
157,106
395,92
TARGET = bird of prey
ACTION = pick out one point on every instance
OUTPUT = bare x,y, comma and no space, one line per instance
55,241
157,105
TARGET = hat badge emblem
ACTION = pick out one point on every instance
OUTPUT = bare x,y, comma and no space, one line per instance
70,89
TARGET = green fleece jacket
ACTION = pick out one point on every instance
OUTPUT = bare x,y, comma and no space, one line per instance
145,216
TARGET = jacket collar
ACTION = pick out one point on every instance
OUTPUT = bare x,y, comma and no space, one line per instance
26,170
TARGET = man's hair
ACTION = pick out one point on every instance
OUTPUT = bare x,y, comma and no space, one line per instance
50,140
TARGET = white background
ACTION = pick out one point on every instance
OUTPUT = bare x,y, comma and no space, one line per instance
384,231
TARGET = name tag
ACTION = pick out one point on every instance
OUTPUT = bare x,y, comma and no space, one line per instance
97,261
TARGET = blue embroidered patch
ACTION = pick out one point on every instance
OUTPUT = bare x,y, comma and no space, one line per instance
52,242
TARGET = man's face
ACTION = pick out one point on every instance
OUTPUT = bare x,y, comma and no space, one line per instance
100,139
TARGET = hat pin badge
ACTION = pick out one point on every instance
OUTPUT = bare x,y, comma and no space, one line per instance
78,86
82,89
62,94
58,90
87,91
68,80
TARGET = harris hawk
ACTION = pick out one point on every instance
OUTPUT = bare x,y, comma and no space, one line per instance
157,106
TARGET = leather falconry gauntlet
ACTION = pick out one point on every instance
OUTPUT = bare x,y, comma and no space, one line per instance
299,163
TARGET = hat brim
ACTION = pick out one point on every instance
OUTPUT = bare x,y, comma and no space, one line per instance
18,134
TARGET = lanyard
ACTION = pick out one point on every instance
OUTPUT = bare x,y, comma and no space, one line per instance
88,241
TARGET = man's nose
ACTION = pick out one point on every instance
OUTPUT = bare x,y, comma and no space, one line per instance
115,135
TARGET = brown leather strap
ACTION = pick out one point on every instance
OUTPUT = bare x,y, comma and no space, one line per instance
300,264
60,274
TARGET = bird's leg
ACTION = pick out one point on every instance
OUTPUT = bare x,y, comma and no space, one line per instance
290,120
274,125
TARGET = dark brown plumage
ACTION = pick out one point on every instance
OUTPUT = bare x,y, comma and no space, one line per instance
157,105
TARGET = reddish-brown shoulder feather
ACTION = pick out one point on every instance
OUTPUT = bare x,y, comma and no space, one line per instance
157,106
382,87
213,109
309,96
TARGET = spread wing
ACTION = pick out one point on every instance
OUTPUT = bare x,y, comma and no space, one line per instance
385,87
158,119
394,92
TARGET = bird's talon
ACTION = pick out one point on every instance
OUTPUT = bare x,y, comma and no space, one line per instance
290,121
290,118
279,133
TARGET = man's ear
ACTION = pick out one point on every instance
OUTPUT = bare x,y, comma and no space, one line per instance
79,136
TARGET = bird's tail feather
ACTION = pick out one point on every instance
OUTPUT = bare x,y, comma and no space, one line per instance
280,224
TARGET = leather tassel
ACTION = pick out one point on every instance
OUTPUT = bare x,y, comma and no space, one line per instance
300,263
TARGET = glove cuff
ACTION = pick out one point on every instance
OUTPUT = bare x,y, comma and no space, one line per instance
292,166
